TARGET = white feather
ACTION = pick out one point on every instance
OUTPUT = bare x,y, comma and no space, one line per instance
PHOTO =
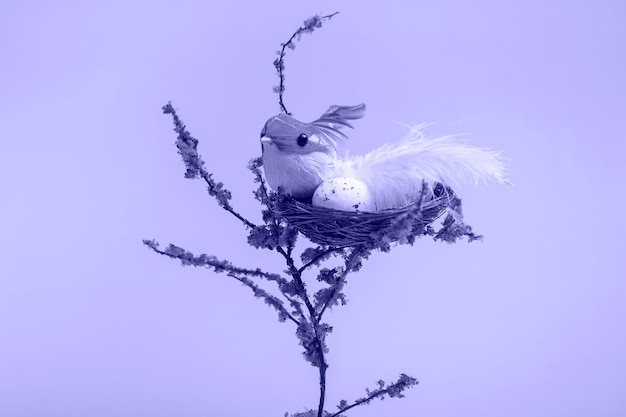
394,172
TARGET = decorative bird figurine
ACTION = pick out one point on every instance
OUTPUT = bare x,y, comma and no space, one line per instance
303,160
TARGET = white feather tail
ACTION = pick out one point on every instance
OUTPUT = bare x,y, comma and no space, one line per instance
394,172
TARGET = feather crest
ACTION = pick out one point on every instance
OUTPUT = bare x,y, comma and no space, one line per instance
335,118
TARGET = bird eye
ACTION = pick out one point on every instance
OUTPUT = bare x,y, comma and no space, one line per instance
302,139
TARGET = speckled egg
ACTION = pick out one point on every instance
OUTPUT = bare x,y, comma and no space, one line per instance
347,194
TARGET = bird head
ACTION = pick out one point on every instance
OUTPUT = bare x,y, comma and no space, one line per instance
292,136
296,155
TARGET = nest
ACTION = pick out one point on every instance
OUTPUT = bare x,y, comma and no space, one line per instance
332,227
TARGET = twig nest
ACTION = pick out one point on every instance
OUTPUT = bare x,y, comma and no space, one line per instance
335,227
344,193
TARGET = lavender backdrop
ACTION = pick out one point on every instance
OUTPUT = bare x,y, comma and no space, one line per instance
531,322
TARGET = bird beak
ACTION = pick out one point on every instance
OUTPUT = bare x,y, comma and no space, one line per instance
266,141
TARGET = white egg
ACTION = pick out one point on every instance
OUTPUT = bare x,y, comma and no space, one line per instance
344,193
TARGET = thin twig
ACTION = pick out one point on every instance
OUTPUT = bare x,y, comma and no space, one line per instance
335,286
240,274
322,255
228,208
309,26
187,148
393,390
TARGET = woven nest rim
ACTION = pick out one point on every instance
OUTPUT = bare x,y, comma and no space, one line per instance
328,226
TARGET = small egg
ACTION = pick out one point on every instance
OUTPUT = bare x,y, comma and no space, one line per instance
344,193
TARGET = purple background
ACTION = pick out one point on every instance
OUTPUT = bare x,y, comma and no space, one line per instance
531,322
